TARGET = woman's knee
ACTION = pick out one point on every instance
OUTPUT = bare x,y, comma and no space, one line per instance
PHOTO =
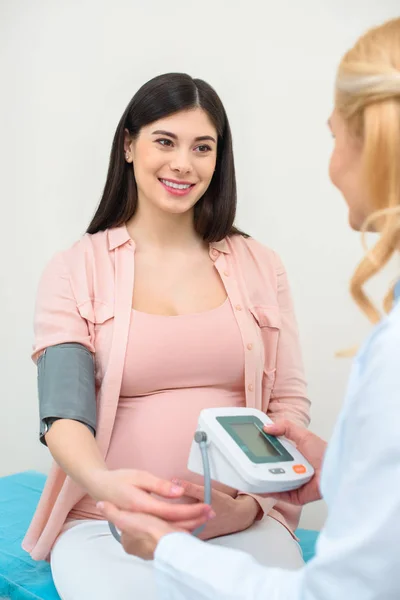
87,562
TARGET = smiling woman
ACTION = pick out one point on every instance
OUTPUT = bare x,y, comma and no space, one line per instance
162,309
175,156
184,119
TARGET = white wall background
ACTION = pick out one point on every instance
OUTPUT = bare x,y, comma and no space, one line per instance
68,69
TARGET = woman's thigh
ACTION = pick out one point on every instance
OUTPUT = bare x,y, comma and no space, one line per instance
268,541
87,562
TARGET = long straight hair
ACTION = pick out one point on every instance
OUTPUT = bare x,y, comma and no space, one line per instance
215,212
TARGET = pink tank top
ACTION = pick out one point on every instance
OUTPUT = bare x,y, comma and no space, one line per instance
175,366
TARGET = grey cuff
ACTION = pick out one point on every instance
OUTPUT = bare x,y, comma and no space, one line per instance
45,425
66,386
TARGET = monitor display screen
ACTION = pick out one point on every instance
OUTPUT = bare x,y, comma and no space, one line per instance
255,440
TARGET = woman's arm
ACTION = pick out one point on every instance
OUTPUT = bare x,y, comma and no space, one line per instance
74,449
57,324
71,443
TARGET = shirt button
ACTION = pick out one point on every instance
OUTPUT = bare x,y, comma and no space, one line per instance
250,387
238,307
226,273
249,346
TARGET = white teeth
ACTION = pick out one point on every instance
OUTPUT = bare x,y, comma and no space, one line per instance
176,186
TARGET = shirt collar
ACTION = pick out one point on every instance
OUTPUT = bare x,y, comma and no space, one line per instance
118,236
221,246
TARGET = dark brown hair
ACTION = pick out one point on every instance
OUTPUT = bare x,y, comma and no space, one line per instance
160,97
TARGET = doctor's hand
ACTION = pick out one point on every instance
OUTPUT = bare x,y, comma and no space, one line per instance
312,448
141,533
232,514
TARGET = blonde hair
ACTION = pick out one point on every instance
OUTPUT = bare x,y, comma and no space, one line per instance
368,99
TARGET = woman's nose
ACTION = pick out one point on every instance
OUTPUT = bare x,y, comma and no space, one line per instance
181,163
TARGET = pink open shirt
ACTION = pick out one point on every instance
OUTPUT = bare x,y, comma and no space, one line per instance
93,281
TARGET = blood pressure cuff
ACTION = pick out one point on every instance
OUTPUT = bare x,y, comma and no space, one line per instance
66,386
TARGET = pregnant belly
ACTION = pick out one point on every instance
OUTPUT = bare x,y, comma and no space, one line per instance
154,433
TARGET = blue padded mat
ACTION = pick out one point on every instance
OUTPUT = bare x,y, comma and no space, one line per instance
22,578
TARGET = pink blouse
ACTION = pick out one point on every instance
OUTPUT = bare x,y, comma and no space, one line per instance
87,291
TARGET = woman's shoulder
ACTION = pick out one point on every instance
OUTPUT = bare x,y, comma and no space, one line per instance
81,256
251,250
85,268
89,246
96,241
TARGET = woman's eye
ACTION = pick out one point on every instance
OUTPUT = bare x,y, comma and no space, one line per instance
203,148
165,142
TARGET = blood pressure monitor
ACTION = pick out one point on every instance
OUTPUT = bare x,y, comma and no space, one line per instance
231,447
242,456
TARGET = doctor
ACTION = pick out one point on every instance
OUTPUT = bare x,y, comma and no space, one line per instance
358,555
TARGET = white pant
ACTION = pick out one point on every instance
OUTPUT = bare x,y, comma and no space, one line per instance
89,564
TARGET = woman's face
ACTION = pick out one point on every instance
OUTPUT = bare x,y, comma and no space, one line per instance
174,160
345,170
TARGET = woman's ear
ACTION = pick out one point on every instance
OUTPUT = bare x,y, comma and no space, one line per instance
128,146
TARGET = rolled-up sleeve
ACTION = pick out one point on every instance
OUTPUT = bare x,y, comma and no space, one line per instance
57,319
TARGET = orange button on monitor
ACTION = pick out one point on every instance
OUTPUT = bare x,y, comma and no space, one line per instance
299,469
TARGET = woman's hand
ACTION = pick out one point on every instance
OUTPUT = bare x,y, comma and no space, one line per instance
232,514
130,489
141,533
313,449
